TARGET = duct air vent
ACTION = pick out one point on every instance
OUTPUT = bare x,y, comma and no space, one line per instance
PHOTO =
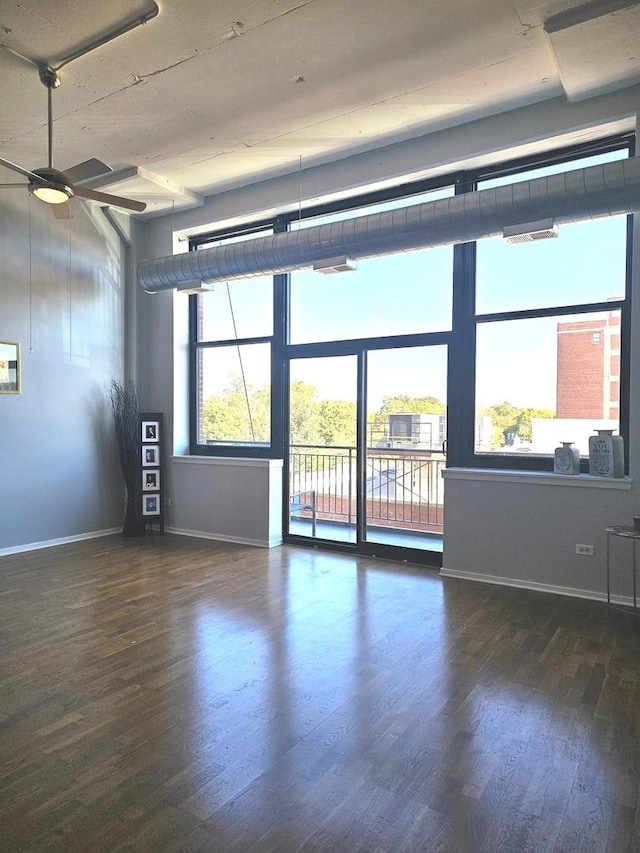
196,286
333,265
527,232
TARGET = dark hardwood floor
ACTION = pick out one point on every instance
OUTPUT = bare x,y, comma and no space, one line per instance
173,694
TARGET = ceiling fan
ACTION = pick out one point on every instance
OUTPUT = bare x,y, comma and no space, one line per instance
55,187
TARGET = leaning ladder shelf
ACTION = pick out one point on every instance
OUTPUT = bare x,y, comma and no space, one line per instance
152,469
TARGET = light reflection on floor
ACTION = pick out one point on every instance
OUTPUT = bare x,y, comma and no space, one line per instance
337,532
314,665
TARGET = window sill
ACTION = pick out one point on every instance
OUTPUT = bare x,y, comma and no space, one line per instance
540,478
235,461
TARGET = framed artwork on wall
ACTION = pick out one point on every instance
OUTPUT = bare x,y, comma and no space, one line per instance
150,455
151,481
9,367
151,504
150,431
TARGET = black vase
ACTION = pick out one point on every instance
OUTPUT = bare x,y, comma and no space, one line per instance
133,524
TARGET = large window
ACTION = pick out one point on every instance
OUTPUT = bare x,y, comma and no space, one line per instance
233,334
236,394
536,332
549,315
401,294
544,380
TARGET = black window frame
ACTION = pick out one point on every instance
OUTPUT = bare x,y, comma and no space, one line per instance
469,320
274,448
461,338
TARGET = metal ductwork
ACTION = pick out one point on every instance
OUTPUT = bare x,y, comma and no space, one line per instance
610,189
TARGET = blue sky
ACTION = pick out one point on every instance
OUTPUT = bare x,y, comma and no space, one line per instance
411,292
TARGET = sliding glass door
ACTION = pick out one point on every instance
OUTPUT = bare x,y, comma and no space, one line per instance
322,448
406,446
367,440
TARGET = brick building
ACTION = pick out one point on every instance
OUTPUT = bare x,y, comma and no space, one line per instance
588,383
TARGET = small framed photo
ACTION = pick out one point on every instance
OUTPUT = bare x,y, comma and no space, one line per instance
9,367
151,504
150,431
151,481
150,455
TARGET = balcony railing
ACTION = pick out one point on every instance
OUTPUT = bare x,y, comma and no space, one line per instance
403,486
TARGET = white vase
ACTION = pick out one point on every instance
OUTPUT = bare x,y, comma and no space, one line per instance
606,454
566,459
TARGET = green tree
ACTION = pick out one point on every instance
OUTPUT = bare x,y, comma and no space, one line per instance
509,420
525,416
304,422
503,421
337,422
413,405
236,415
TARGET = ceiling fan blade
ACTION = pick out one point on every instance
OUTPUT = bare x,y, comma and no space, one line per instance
105,198
14,185
62,211
19,169
88,169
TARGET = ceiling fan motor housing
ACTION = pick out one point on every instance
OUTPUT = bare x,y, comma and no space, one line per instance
49,77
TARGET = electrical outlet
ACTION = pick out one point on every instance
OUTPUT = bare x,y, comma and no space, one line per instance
167,501
584,550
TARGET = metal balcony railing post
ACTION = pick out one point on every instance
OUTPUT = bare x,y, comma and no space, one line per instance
414,505
349,487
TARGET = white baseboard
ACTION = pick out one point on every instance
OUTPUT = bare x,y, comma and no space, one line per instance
625,600
217,537
51,543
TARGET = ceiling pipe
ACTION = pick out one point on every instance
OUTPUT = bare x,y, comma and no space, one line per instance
49,66
609,189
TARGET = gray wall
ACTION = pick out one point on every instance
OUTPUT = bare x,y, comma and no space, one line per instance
236,500
62,298
522,530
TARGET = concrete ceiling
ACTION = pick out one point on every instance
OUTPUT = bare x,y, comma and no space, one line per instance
209,96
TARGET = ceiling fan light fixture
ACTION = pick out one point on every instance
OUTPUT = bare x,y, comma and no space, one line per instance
50,193
50,186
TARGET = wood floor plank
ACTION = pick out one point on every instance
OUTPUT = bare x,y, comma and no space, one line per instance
172,694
